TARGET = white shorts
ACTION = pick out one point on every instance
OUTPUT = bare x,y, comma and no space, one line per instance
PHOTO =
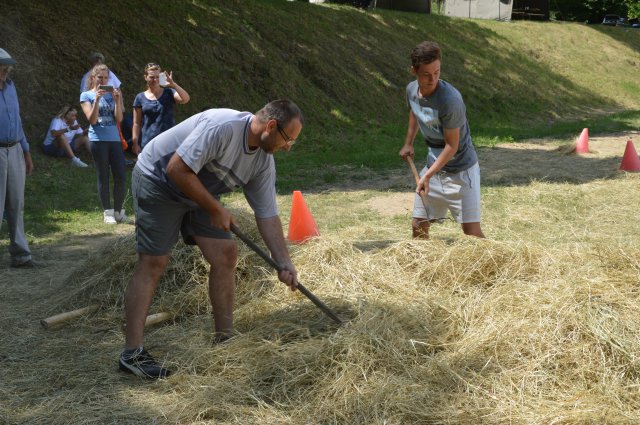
455,192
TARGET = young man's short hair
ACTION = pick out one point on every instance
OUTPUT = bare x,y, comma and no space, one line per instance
425,52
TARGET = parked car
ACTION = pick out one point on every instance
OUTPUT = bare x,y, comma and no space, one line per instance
610,20
628,23
622,22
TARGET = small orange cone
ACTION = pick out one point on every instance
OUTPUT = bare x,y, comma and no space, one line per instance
583,142
630,160
302,226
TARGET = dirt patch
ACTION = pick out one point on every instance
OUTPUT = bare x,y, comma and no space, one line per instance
397,203
56,262
520,164
550,160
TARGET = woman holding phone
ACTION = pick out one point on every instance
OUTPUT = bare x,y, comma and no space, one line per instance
153,108
103,107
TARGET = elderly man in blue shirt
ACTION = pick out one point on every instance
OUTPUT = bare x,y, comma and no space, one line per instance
15,163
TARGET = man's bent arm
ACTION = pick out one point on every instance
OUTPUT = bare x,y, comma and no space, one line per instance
273,236
188,182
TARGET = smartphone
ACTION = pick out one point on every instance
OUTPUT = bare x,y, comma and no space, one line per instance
163,79
106,88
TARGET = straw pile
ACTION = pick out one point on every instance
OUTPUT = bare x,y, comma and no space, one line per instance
537,326
471,332
182,290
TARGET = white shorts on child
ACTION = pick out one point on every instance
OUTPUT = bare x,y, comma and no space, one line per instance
455,192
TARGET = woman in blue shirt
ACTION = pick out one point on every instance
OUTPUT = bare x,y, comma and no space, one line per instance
103,108
153,108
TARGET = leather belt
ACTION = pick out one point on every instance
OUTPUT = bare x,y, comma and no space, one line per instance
7,144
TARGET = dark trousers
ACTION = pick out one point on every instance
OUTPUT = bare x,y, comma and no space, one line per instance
109,155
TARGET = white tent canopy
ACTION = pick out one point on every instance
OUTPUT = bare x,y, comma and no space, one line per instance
481,9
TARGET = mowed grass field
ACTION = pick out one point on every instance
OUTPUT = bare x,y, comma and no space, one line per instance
535,325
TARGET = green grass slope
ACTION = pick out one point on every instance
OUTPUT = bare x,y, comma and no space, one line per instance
345,67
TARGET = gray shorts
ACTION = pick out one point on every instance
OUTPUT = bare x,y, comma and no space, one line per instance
455,192
159,218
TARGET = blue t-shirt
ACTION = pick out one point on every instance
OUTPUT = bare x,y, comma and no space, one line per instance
106,128
443,109
157,115
10,122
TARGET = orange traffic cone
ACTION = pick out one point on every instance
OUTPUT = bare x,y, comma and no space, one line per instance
630,160
302,226
582,146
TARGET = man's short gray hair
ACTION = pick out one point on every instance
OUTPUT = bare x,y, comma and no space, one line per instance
281,110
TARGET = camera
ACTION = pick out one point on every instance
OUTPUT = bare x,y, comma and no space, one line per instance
106,88
162,79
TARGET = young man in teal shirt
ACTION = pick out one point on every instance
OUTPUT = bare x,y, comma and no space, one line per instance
451,178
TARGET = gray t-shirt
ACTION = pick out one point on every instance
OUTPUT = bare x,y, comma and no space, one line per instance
214,144
443,109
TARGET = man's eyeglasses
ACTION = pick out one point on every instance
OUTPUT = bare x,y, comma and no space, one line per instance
152,65
285,136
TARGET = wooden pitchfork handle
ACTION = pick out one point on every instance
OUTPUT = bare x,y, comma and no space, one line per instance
416,176
322,306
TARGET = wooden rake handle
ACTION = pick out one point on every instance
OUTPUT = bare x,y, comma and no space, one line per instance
416,176
322,306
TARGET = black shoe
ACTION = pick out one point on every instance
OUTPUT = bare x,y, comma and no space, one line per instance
221,338
29,264
141,364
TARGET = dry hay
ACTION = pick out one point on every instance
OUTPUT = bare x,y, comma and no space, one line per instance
472,332
536,327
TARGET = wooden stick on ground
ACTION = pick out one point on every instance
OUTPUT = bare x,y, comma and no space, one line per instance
61,318
154,319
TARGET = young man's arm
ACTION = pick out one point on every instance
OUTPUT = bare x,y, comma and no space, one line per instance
451,142
412,130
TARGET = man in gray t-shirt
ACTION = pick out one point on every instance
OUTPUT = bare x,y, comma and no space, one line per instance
176,185
451,178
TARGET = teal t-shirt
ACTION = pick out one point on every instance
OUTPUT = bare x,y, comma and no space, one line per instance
443,109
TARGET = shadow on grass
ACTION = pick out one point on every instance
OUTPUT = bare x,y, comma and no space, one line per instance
519,166
514,164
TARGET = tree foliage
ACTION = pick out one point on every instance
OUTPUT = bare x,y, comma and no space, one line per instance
594,10
633,7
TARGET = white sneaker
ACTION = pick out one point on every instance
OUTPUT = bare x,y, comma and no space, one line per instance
121,217
77,162
109,217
